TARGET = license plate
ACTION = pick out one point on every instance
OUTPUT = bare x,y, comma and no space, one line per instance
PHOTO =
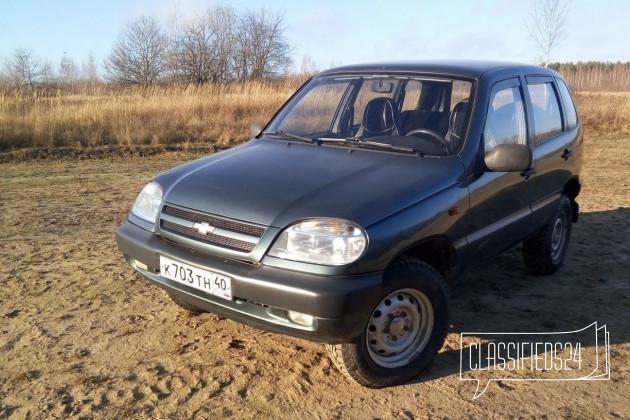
196,277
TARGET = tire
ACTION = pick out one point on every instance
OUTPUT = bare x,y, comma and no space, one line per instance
544,252
405,331
187,307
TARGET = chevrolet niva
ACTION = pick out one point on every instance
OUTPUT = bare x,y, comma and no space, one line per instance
341,219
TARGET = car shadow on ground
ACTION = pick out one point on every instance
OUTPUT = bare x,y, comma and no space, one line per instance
591,286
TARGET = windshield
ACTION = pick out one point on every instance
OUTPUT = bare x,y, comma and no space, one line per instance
420,114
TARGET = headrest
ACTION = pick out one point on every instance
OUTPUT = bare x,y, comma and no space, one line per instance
380,117
458,119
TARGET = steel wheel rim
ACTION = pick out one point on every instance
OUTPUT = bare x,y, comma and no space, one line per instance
558,235
400,328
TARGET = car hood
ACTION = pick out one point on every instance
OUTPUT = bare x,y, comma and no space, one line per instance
275,183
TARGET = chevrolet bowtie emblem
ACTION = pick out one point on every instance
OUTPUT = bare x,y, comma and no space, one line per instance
204,228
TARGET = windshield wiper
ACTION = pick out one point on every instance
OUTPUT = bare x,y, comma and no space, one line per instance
289,136
368,144
351,141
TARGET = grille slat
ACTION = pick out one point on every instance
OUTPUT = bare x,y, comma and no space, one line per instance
248,229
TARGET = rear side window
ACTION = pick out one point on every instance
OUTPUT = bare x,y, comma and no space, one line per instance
546,110
569,108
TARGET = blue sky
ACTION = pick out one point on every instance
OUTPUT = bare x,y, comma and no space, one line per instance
333,31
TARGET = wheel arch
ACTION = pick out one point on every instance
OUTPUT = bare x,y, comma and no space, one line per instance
572,190
436,251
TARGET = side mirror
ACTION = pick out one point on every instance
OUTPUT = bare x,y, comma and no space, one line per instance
255,129
509,158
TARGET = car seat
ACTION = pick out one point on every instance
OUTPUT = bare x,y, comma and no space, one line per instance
381,117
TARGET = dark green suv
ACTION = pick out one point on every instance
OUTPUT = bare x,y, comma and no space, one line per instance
341,219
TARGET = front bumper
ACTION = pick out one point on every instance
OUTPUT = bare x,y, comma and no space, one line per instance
340,305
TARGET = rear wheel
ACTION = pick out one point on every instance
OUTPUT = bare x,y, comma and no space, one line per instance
544,252
404,332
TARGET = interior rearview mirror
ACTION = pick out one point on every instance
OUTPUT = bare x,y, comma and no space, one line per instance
381,86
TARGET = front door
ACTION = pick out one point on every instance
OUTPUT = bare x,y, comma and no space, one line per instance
500,201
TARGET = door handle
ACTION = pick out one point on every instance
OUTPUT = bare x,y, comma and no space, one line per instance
566,154
527,173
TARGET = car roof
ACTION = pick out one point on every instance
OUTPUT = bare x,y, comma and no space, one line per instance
463,68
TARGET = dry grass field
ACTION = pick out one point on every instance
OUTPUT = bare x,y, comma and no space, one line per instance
210,115
604,112
81,336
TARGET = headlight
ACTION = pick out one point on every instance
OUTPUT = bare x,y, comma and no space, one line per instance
321,241
148,203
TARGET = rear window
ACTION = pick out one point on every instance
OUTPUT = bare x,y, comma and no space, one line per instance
370,89
569,108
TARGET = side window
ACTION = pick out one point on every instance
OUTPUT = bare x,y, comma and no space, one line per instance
569,108
505,120
413,88
546,110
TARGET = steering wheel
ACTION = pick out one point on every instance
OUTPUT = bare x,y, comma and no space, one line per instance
433,135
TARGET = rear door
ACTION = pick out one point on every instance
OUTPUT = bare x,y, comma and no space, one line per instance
555,134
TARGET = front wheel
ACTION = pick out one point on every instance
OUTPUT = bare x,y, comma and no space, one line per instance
193,310
404,332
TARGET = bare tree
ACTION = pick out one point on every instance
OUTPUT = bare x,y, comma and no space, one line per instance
68,72
308,67
547,25
89,69
139,55
262,49
224,19
23,68
222,46
203,46
48,74
4,80
193,51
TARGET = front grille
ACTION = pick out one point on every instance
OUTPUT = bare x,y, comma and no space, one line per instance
228,233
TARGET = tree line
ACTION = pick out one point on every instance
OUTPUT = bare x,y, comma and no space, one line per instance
220,45
595,75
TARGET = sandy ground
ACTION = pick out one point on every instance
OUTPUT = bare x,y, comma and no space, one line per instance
82,336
